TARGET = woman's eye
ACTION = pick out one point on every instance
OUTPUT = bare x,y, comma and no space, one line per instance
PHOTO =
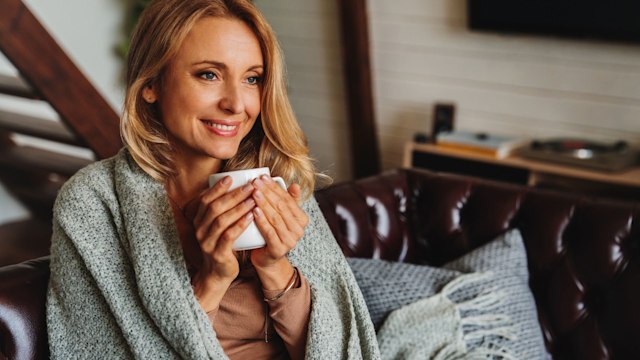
253,80
208,75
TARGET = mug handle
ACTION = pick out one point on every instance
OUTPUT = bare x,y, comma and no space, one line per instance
280,182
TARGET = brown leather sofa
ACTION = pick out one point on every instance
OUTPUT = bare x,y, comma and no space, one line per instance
584,254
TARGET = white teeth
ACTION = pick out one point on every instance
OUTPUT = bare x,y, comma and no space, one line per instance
220,126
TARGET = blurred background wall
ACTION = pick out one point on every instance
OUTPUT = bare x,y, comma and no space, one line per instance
422,53
309,33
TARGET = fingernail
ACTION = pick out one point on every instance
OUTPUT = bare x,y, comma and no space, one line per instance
265,178
250,216
258,212
250,202
247,188
226,180
258,195
258,183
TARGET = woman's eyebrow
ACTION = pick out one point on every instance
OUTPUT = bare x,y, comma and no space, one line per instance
217,64
224,66
255,68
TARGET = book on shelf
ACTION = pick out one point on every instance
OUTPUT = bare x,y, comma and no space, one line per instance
498,146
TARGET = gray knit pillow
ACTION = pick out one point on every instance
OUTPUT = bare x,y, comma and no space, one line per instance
387,286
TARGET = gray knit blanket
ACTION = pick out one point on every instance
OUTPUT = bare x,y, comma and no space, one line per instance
119,286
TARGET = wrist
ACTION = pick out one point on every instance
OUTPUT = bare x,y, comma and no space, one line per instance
276,276
270,296
209,291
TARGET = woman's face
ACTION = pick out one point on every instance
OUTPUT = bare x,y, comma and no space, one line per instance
209,96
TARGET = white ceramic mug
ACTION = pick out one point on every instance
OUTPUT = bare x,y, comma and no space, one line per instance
251,238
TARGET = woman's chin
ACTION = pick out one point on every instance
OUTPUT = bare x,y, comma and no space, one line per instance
223,155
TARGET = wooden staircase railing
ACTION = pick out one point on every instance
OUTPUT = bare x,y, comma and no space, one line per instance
31,174
16,86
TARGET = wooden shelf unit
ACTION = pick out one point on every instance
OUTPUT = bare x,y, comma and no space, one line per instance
624,184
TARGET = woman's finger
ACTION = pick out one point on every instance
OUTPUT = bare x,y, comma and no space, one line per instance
209,209
272,216
224,203
281,200
229,236
214,227
296,192
298,213
210,194
274,242
211,244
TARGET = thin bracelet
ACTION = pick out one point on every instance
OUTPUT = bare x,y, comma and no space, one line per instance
294,279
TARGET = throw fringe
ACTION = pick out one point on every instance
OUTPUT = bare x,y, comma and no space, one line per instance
441,328
452,353
503,331
464,280
485,300
484,324
486,320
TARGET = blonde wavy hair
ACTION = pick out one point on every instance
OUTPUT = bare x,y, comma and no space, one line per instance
276,140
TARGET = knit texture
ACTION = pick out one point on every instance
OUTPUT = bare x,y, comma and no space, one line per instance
119,286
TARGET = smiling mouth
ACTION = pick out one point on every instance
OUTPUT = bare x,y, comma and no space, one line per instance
220,129
220,126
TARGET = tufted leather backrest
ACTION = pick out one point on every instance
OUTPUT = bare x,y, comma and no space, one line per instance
584,254
23,290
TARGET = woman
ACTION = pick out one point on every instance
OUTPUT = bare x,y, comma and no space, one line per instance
142,260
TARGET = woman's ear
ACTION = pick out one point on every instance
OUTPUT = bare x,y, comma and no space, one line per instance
149,94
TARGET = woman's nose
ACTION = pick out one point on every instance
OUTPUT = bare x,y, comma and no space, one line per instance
231,101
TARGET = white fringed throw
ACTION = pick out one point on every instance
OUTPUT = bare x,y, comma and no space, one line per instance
440,328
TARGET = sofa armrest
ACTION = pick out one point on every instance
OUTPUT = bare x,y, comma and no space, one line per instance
23,289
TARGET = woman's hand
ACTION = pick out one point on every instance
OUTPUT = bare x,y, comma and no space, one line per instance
281,222
220,219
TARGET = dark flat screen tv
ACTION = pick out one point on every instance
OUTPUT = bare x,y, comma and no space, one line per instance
598,19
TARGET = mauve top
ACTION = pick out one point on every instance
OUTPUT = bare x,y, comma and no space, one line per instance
241,319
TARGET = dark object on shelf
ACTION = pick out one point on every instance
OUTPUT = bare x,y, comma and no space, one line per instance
420,138
443,119
610,20
584,153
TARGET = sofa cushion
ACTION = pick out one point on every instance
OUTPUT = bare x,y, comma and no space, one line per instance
387,286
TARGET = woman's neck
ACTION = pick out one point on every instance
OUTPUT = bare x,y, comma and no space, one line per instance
192,177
